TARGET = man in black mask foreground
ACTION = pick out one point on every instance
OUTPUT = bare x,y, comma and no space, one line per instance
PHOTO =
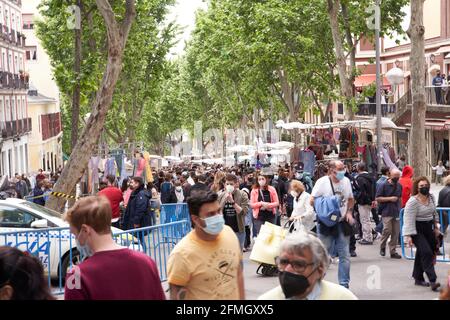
302,265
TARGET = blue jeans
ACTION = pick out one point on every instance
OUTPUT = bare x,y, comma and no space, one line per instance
341,245
241,238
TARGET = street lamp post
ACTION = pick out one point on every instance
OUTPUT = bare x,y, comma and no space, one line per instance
378,95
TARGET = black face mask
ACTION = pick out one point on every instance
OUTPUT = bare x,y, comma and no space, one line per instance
424,190
293,284
395,180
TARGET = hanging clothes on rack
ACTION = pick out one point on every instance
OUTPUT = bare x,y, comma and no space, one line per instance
308,158
117,154
111,167
148,169
139,167
123,171
387,160
94,176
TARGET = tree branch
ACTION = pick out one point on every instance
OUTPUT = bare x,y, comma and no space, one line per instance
110,22
130,13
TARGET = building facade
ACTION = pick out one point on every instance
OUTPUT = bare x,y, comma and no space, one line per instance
38,62
45,141
43,96
395,52
15,123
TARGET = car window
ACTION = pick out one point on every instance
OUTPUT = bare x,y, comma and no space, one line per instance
15,218
39,208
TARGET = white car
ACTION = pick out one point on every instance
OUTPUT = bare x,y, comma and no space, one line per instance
49,245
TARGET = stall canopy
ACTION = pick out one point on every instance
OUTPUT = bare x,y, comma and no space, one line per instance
365,80
241,148
386,123
279,145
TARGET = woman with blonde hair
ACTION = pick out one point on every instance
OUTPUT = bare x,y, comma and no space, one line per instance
219,180
303,212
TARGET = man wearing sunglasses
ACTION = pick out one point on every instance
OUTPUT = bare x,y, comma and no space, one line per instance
302,265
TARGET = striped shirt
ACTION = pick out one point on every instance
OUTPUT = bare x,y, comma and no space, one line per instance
416,211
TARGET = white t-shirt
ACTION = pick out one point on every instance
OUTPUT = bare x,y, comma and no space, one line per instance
343,189
439,170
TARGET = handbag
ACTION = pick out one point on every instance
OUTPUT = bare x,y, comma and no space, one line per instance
268,244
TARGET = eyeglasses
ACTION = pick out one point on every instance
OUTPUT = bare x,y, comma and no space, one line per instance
299,266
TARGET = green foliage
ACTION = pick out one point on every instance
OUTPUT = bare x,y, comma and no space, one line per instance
137,90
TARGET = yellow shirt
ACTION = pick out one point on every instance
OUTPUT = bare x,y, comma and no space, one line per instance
207,269
328,291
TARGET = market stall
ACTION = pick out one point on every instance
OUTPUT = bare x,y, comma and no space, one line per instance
349,141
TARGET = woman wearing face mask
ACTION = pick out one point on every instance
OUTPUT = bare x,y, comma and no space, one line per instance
234,206
177,195
303,212
302,265
264,202
420,229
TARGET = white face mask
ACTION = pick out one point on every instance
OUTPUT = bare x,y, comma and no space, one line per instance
294,194
262,183
229,188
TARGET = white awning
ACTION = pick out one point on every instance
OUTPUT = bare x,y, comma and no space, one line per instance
443,49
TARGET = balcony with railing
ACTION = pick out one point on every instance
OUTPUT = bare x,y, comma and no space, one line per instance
51,125
9,80
370,109
13,36
10,129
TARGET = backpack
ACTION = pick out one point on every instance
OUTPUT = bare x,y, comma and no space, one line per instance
328,209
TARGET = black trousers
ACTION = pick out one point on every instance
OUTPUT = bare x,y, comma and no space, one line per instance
352,245
375,216
247,237
425,243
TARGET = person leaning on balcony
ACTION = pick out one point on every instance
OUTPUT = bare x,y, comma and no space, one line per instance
447,94
437,84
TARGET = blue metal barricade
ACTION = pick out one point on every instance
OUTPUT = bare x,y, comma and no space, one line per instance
56,247
156,241
409,253
53,247
174,212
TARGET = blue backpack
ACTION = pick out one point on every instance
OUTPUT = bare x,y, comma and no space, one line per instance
328,209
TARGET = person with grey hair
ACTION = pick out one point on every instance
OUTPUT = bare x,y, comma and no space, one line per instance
302,265
389,196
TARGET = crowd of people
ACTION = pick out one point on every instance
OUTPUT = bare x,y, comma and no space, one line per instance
227,207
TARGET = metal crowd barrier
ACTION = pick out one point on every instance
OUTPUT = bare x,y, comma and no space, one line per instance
174,212
56,247
409,253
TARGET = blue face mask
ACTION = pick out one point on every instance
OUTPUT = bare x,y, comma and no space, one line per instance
84,250
214,224
340,175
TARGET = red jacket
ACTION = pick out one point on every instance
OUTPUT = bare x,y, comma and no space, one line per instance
406,182
255,204
115,197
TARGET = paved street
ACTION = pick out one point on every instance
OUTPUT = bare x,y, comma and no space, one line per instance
395,280
395,275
